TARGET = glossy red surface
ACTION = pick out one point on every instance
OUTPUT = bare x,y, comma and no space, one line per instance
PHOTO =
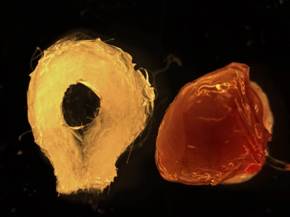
213,131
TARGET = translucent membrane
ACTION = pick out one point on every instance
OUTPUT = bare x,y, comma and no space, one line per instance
84,150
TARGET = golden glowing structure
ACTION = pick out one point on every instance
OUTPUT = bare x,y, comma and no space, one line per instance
126,102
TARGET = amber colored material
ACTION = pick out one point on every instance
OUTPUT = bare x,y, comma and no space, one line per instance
87,102
215,130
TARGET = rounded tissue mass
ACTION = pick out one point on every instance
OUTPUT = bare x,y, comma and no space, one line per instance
216,130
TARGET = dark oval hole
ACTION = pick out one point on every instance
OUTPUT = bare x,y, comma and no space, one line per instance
80,105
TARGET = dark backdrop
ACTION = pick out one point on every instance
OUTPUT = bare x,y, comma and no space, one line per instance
205,35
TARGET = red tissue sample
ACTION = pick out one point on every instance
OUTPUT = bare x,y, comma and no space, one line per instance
216,130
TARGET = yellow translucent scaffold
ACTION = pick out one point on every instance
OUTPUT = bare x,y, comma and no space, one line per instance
126,103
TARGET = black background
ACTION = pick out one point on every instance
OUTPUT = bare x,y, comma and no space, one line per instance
205,35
